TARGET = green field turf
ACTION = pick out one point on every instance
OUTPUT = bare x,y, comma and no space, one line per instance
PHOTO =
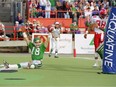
65,71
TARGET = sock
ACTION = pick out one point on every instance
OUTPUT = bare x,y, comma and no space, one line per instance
56,53
51,51
23,65
96,61
14,67
19,66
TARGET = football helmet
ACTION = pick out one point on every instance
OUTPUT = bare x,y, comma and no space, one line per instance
103,13
37,41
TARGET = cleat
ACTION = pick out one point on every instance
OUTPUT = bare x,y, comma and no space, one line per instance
38,66
95,65
49,55
29,65
6,64
56,57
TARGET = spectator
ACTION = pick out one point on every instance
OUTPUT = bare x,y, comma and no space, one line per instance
64,6
3,36
75,17
38,4
40,13
33,12
74,28
113,3
73,9
17,28
59,8
47,9
87,22
43,4
66,15
106,3
29,27
88,12
34,24
53,13
53,4
86,6
32,3
41,29
20,19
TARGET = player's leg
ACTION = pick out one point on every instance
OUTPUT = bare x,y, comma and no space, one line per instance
30,65
16,66
96,44
25,65
36,64
8,67
96,60
100,50
56,48
52,44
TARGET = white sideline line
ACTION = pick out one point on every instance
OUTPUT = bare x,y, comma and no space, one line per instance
87,58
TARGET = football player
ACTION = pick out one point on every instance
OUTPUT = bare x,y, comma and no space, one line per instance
98,23
37,51
55,35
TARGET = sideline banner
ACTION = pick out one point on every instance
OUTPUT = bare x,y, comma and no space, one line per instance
84,46
65,44
109,60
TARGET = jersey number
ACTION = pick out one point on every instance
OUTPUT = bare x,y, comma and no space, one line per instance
36,51
101,24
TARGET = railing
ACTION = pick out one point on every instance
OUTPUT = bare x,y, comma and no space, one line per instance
10,30
56,13
81,21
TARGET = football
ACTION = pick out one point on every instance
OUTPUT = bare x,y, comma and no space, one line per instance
50,28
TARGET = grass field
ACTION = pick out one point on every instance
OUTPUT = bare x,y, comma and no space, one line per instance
65,71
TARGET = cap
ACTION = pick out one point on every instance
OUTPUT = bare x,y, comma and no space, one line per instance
57,23
34,20
17,22
36,39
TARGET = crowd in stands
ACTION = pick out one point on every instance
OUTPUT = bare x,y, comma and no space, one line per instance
60,9
65,9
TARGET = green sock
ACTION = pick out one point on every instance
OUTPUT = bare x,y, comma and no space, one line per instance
51,51
19,66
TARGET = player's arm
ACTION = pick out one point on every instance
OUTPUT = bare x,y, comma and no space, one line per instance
90,28
87,32
25,34
46,41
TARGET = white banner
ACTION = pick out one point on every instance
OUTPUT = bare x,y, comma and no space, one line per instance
65,44
84,46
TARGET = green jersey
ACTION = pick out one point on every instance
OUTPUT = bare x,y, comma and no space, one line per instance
37,53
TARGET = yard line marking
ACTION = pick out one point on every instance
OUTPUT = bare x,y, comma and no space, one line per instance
87,58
